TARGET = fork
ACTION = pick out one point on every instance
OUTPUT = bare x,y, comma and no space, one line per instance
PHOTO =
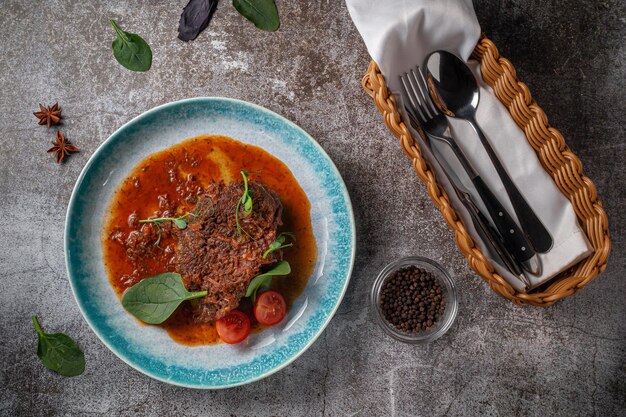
424,114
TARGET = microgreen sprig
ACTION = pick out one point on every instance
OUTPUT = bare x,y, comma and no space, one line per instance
246,198
279,243
179,222
246,201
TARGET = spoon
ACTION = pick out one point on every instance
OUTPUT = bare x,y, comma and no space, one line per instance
455,91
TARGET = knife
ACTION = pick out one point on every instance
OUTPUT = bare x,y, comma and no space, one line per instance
512,236
486,231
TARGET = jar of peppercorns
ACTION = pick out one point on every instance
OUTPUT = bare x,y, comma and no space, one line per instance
414,300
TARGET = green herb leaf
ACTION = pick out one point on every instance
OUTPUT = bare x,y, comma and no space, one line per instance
279,243
263,13
58,352
246,200
130,50
247,205
153,300
180,223
264,280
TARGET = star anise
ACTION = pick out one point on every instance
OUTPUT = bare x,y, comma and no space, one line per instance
48,115
62,147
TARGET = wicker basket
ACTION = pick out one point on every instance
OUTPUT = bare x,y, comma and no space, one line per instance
556,158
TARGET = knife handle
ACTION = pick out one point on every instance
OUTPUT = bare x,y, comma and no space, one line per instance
489,235
536,231
494,239
514,239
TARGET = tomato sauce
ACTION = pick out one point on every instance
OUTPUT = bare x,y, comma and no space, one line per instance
176,173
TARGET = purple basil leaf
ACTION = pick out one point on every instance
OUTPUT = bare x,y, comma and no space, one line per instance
195,18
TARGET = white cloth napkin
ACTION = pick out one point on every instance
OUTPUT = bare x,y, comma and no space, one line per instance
399,34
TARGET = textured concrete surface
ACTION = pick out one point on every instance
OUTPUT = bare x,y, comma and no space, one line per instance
498,360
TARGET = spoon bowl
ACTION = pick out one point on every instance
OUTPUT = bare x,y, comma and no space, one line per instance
453,84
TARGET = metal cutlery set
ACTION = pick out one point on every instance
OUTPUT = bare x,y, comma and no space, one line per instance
446,86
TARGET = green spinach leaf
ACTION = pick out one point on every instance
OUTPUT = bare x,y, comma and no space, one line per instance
263,13
263,280
58,352
153,300
130,50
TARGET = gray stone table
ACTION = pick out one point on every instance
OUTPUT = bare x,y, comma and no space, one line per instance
498,360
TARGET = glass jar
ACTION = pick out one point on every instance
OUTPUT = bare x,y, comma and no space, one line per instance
443,323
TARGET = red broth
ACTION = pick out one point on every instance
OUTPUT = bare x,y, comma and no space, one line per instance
178,172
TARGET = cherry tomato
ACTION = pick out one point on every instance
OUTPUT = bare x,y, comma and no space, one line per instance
270,308
234,327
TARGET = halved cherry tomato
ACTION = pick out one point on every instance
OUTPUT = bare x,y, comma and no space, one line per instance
233,328
270,308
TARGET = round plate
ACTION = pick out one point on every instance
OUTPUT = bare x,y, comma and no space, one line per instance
149,348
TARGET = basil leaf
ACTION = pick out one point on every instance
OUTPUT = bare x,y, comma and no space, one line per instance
130,50
153,300
195,18
263,13
58,352
180,223
263,280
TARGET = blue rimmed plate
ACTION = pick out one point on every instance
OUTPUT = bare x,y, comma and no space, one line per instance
149,348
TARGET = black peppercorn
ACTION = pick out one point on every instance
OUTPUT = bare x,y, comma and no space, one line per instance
412,299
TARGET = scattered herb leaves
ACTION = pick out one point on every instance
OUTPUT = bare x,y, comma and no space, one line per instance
58,352
263,13
279,243
130,50
195,18
264,280
153,300
246,200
